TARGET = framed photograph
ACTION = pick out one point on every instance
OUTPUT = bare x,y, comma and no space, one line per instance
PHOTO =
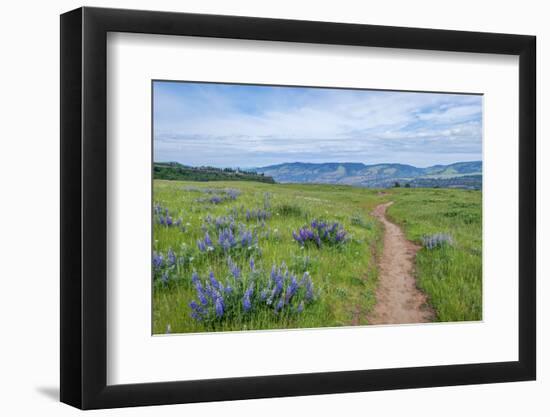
258,207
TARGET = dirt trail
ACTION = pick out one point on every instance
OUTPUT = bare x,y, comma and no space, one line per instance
398,300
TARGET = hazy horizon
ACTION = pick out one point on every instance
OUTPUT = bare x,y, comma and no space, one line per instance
316,163
250,126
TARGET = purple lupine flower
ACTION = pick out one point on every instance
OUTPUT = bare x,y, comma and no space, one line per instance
165,278
235,271
194,306
291,289
216,199
258,214
320,232
225,245
278,288
317,240
340,236
169,221
232,193
162,222
226,239
172,259
247,304
197,311
279,292
245,237
219,307
201,245
273,273
214,282
207,240
207,289
157,260
202,297
250,290
200,291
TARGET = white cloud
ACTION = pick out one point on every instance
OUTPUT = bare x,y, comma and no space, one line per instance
330,124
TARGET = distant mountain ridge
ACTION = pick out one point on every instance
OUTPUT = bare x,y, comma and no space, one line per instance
456,175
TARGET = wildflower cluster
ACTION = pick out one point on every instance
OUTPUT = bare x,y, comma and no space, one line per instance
166,264
228,239
221,222
437,240
320,232
163,217
215,195
282,288
257,214
213,199
212,298
246,294
232,193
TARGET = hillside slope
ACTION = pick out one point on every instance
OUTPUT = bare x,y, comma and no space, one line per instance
457,175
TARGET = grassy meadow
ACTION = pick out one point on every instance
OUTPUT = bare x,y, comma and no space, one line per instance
242,255
450,274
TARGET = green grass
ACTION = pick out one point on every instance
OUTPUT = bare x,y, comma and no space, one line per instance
344,276
450,275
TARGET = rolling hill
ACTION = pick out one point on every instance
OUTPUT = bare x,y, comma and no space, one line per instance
178,172
457,175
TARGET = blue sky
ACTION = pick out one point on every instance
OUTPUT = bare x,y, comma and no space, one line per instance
244,126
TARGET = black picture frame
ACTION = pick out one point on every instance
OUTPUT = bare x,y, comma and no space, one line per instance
84,207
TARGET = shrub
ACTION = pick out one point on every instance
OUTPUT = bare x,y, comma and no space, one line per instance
289,210
358,220
437,240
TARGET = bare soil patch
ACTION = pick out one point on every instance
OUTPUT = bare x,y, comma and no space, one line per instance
398,298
